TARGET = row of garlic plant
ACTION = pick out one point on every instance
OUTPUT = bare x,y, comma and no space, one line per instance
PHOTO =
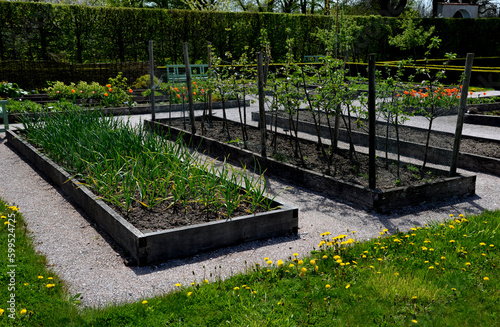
128,166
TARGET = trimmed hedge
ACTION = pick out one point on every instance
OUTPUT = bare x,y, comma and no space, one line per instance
32,32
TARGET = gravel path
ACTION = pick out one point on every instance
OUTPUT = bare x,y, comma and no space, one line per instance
91,263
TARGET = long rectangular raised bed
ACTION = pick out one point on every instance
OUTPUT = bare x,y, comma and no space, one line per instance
435,155
382,201
152,247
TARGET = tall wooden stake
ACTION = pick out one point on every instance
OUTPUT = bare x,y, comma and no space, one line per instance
189,87
152,80
209,54
461,114
262,113
371,121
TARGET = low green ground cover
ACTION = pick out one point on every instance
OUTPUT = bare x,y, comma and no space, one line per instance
444,274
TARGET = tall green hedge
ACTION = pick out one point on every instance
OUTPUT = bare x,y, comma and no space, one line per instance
32,31
42,31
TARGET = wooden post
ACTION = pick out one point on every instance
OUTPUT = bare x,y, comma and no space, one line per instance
461,114
189,87
371,121
262,113
152,80
209,54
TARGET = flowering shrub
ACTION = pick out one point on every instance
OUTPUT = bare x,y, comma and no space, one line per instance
115,93
11,90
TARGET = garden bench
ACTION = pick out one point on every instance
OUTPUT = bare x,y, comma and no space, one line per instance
313,58
3,106
177,73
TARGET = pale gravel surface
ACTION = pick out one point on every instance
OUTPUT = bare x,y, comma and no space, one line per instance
88,261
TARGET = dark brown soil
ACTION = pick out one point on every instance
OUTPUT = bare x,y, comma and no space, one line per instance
352,169
438,139
162,217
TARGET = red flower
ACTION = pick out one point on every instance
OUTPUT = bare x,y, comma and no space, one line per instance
105,94
130,90
72,91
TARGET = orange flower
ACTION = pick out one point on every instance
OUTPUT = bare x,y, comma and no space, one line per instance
110,90
484,93
194,93
105,94
470,93
406,92
176,90
130,90
458,96
72,91
108,85
178,95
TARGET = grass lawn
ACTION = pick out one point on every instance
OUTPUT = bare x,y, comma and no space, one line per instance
445,274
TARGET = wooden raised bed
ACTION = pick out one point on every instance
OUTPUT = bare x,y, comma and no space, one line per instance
435,155
480,119
153,247
382,201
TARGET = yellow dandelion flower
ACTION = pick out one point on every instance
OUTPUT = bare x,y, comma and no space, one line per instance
280,263
50,285
451,226
414,297
347,286
205,281
300,262
26,284
327,286
50,277
295,254
178,285
324,257
144,302
269,262
303,269
4,217
40,277
266,259
483,254
316,268
482,244
486,278
291,265
6,223
452,241
414,321
236,288
431,267
467,263
339,261
23,311
453,289
1,311
396,274
337,257
312,262
189,293
451,215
